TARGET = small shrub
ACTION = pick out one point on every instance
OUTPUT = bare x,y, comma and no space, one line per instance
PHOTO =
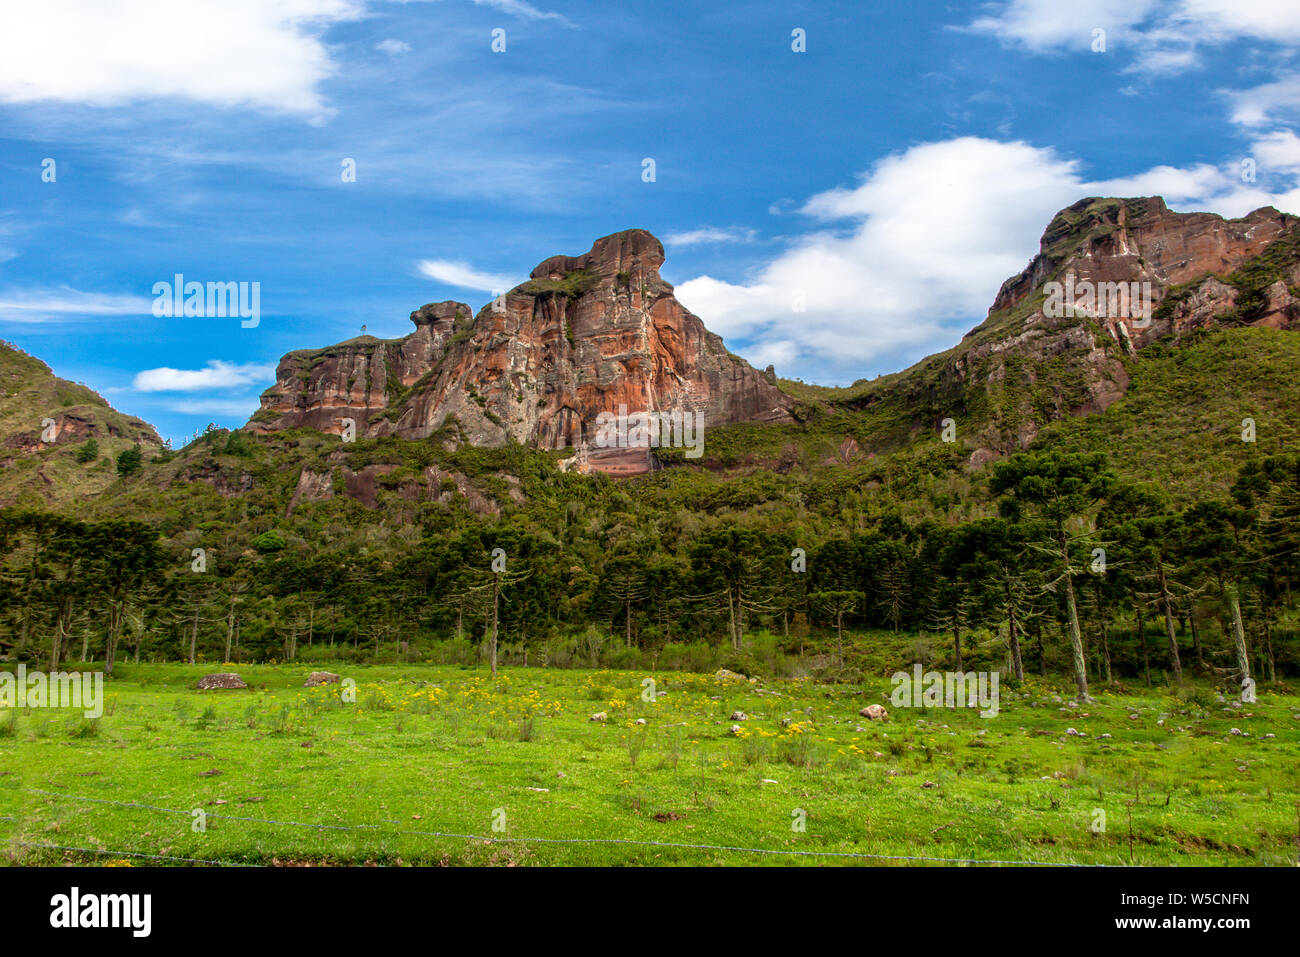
83,728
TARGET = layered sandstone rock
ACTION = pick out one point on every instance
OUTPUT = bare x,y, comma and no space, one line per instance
1031,363
1104,242
585,335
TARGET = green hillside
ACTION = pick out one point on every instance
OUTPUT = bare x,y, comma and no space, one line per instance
90,434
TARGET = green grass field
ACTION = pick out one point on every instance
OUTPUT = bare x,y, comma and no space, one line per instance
430,763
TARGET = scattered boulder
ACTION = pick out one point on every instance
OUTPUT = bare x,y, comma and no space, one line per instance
225,679
735,729
600,716
321,678
875,712
739,716
722,674
640,721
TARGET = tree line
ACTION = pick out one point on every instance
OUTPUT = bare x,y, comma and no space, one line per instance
1071,561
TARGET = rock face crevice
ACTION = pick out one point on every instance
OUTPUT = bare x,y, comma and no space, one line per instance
584,335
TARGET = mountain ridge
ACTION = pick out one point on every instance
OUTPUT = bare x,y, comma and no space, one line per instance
586,334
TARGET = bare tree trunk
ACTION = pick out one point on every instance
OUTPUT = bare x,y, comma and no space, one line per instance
496,592
1268,650
1238,633
56,641
1169,626
1142,640
1105,649
116,612
731,619
1013,636
1076,637
230,627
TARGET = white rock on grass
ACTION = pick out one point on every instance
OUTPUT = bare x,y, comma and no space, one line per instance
224,680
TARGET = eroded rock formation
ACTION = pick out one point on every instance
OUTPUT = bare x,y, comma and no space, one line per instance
584,335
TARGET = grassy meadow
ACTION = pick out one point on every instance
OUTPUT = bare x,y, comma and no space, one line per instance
443,765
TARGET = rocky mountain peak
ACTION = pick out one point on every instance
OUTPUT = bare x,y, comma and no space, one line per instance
633,253
441,313
1102,239
584,335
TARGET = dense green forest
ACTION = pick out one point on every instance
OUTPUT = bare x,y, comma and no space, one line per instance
1069,559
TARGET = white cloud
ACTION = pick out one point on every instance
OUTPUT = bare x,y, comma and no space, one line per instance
1050,24
1174,184
262,53
1262,19
1163,36
1279,150
711,234
462,274
49,305
215,375
1261,105
911,258
393,47
520,8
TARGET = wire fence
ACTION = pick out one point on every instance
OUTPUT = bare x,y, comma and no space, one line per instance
501,839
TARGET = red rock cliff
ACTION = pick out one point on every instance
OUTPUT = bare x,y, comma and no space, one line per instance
586,334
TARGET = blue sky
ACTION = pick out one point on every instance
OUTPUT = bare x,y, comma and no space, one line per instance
891,175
